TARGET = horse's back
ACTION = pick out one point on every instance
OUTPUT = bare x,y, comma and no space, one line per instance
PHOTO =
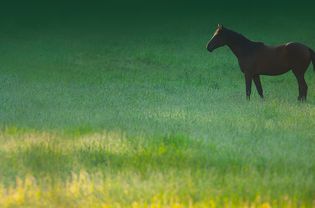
275,60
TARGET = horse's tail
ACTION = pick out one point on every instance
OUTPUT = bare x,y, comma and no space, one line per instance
313,58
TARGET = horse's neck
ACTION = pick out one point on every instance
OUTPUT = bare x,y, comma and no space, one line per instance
239,45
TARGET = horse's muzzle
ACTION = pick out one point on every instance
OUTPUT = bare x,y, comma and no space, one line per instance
209,49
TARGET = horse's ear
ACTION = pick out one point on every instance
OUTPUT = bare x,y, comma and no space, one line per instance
220,26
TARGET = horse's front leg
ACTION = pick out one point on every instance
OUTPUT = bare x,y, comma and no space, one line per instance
248,82
258,85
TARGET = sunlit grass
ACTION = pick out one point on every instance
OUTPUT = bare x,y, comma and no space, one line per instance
114,170
97,190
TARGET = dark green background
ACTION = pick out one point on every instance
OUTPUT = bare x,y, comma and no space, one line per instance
44,13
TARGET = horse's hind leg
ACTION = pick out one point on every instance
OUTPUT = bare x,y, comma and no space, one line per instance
302,86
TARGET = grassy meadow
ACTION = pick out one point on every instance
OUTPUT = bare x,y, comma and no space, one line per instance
141,115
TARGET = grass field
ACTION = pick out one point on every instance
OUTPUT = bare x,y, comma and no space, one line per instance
144,116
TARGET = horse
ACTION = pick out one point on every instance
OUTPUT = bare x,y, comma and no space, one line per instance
256,58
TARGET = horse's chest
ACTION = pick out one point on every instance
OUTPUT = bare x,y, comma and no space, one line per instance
246,64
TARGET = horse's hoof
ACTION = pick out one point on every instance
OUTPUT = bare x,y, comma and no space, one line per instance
302,99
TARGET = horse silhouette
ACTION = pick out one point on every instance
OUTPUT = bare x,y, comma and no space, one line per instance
256,58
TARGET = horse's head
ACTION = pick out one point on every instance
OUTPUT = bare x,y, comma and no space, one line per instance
218,39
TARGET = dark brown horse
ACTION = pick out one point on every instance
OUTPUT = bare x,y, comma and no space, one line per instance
255,58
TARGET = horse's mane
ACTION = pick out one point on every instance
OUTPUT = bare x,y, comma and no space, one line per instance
241,38
236,35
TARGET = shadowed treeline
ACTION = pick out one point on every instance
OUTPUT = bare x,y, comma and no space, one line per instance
44,13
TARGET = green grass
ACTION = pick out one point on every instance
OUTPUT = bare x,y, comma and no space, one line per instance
147,117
